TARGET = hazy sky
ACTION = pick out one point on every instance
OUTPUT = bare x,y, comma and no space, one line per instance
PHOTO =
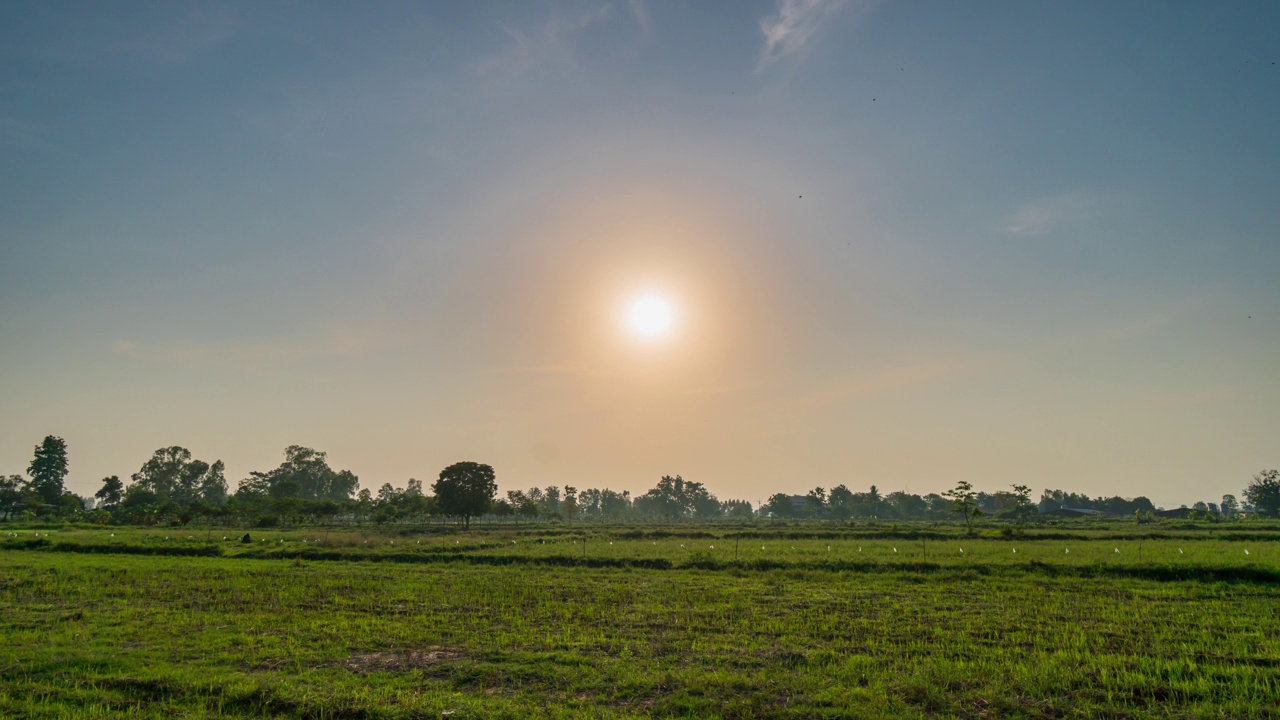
906,243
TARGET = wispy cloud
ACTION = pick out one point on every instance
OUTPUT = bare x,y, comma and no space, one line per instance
789,32
552,43
640,13
1049,213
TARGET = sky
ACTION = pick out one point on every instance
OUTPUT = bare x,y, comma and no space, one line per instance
902,243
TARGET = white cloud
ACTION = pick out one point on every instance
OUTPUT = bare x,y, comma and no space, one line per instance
640,13
790,31
1046,214
552,43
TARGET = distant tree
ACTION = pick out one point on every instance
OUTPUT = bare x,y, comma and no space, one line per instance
779,505
868,503
815,503
535,494
138,497
112,491
840,502
415,505
162,472
48,470
70,504
414,487
285,488
702,504
502,509
1022,508
363,503
615,505
937,506
465,489
386,493
1049,502
589,502
519,502
569,506
306,474
385,512
991,504
904,506
1023,494
173,475
1264,493
212,489
1230,506
964,503
675,497
549,504
12,488
736,508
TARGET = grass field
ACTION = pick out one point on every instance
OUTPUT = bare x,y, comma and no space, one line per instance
639,622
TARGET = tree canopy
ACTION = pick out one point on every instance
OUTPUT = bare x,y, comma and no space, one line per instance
675,497
465,490
174,487
304,474
1264,493
48,469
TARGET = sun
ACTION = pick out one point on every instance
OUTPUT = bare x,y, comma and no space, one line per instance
651,316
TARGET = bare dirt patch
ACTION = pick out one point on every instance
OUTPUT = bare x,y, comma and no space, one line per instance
404,660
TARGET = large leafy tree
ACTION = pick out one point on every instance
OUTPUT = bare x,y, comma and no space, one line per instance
48,469
213,484
112,491
465,489
1264,493
172,475
305,473
675,497
840,502
779,505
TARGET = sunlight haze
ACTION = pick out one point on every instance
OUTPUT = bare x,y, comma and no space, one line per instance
764,245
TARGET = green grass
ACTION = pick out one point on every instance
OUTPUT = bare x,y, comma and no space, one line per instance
448,624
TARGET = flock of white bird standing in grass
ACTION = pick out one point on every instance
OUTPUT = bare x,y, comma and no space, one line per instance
960,550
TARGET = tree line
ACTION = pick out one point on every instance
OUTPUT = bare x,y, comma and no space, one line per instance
174,487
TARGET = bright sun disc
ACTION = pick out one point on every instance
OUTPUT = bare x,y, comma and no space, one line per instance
650,316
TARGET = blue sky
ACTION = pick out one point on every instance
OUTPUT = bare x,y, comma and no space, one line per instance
909,243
